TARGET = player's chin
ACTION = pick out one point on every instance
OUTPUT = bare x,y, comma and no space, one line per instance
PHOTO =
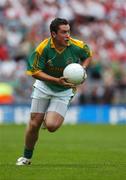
65,43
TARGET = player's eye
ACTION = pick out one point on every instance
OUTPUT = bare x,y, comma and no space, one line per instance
66,32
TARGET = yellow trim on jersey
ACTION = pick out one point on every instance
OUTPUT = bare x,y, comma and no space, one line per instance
60,51
41,46
77,42
80,44
32,73
39,51
52,44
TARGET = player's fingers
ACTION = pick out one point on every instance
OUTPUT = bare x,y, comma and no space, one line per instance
85,76
64,82
67,84
64,78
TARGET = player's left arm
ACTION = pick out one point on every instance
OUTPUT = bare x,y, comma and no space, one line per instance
86,63
86,56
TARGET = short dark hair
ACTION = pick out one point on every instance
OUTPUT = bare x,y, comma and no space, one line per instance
54,26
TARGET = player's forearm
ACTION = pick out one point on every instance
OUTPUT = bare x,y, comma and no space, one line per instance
86,63
45,77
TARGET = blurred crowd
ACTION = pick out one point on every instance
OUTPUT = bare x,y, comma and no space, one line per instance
100,23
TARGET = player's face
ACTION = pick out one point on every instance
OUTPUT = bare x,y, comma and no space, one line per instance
62,36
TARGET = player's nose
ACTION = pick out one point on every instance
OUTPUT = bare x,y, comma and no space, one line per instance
67,35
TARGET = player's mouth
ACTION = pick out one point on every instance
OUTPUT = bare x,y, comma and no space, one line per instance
66,41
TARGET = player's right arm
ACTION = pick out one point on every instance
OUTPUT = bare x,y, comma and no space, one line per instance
42,76
35,66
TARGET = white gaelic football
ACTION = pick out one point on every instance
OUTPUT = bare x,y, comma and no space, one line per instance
75,73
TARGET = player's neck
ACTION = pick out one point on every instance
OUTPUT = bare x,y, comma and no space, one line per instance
59,47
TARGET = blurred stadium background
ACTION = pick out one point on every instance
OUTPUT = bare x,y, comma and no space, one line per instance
101,23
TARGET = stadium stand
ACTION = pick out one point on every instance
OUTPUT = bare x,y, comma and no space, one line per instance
101,23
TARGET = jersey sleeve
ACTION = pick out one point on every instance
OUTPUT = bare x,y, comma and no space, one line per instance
85,52
36,63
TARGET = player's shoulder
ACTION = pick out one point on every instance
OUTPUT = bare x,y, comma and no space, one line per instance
77,42
42,45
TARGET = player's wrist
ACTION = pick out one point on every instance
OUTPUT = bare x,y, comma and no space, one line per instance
85,68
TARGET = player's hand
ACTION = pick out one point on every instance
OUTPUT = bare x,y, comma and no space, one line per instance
85,76
63,81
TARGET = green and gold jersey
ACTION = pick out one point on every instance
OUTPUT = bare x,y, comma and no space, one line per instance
48,59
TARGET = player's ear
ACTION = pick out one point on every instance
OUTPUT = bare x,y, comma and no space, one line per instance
53,34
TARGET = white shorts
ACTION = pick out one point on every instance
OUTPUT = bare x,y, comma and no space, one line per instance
44,100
